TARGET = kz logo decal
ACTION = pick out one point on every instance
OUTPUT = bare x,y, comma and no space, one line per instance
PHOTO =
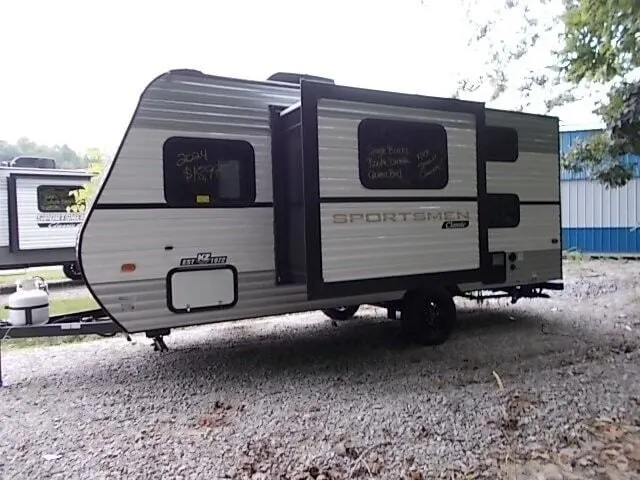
204,258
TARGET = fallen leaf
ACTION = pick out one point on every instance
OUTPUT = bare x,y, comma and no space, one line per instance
498,380
634,454
51,456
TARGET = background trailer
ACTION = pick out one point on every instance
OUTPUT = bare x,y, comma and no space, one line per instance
36,228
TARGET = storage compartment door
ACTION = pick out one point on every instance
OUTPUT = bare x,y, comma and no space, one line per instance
194,289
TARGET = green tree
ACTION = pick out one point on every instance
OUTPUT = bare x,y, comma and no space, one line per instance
602,45
8,151
599,59
64,155
82,198
602,39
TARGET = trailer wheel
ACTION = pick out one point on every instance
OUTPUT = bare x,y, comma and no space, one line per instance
428,316
341,313
72,271
108,335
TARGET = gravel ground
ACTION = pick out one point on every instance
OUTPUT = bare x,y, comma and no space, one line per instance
543,389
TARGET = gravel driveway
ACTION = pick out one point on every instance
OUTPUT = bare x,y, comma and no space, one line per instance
543,389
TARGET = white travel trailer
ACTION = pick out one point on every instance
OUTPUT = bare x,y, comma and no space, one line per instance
36,228
233,199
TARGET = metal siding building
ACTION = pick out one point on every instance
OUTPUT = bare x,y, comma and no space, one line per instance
596,219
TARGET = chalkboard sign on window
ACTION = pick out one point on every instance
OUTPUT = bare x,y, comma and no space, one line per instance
208,172
395,154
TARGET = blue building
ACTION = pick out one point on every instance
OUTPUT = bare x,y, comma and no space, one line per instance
595,219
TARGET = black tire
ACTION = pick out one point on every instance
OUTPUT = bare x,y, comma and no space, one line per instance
428,316
72,271
107,335
341,313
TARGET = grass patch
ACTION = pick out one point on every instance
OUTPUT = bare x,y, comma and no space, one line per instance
574,256
48,274
57,306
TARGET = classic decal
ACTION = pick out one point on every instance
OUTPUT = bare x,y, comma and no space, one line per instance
59,219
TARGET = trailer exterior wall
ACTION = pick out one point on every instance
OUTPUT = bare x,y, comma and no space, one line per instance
28,236
4,209
533,178
135,242
130,221
598,220
354,251
45,229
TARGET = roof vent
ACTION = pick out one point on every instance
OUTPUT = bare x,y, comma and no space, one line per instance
295,78
32,162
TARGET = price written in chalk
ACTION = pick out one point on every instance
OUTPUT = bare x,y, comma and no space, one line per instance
195,156
196,166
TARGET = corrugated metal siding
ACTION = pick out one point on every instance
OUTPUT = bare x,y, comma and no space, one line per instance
602,241
569,139
597,219
601,220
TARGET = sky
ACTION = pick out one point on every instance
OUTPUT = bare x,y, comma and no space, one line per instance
72,71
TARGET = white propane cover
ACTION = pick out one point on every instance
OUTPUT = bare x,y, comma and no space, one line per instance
28,301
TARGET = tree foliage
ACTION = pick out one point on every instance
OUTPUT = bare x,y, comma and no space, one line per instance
601,39
602,45
507,40
599,53
64,155
93,160
83,197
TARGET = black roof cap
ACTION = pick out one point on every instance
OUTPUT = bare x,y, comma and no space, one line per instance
288,77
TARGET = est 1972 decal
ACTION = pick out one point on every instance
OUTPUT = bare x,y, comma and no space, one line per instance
204,258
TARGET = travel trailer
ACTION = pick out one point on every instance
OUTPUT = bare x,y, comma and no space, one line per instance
36,228
233,199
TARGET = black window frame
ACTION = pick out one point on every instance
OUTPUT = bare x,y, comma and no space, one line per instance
71,198
176,195
411,127
503,133
493,219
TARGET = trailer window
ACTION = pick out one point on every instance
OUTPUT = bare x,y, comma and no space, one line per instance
208,172
395,154
56,198
502,144
503,210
